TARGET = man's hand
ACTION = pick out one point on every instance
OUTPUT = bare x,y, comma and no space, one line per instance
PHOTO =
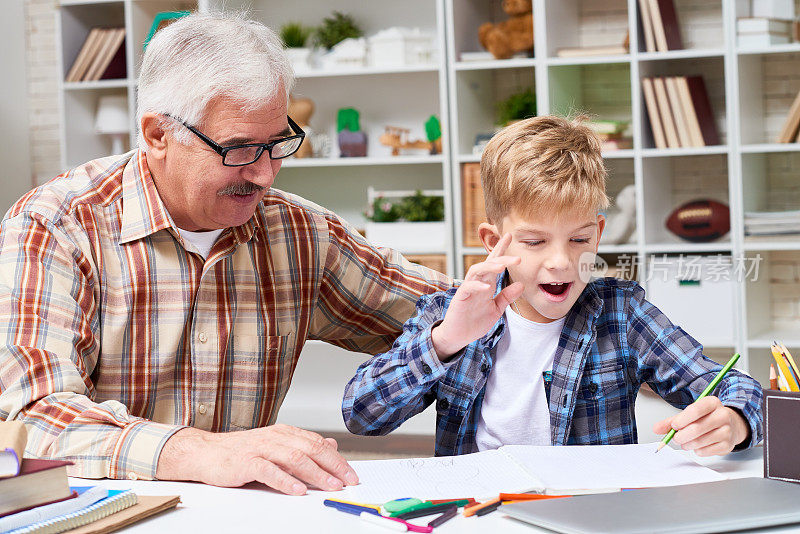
706,427
474,308
282,457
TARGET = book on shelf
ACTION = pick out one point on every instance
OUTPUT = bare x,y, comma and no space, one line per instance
13,438
647,26
38,482
665,112
590,51
102,56
607,127
665,25
755,32
762,223
791,125
659,137
680,112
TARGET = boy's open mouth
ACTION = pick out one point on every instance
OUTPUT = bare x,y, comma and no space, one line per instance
555,289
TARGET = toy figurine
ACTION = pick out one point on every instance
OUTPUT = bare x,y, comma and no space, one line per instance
300,110
504,39
352,141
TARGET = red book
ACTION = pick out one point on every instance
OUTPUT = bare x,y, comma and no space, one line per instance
669,20
38,482
702,108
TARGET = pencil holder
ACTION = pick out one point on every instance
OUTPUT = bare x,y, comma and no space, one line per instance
781,435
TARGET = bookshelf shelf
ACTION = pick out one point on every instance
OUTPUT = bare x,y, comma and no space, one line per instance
588,60
689,248
496,64
774,49
678,152
99,84
767,148
359,162
680,55
367,71
771,243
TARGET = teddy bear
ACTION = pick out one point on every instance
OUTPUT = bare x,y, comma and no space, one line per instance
504,39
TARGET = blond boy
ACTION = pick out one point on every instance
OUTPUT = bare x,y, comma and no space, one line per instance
528,350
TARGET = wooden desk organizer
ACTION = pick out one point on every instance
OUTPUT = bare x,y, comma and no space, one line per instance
782,435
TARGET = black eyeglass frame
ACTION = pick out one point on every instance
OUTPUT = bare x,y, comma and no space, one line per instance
223,150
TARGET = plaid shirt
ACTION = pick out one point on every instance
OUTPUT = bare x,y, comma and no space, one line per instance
115,336
613,341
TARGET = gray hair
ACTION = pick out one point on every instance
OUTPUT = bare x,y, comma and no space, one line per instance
204,56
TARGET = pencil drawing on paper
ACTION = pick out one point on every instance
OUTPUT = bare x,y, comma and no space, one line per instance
444,474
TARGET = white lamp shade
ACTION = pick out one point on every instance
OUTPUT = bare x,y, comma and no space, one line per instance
112,115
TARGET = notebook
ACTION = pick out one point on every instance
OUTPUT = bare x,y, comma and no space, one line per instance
519,468
85,496
723,506
117,500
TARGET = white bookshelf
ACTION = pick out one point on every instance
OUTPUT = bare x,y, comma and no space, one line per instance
739,172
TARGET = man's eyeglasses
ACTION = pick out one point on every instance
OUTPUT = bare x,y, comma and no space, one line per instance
239,155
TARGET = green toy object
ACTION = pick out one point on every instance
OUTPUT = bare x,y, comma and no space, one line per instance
347,119
433,128
165,17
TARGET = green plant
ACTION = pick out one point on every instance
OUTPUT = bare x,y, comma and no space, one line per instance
295,35
415,208
335,29
382,210
518,106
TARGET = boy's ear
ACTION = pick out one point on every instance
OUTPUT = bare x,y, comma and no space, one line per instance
489,235
601,225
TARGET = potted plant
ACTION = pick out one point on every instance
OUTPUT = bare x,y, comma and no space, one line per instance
516,107
295,37
333,30
412,223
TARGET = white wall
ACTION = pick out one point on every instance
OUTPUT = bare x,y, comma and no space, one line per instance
14,139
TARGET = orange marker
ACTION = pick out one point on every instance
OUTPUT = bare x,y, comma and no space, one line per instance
475,508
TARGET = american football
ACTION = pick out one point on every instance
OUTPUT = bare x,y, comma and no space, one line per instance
700,221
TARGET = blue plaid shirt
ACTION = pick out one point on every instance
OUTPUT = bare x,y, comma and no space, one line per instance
613,341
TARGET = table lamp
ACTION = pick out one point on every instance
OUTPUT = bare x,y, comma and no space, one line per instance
112,119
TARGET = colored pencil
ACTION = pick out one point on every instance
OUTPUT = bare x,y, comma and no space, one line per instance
528,496
773,377
709,389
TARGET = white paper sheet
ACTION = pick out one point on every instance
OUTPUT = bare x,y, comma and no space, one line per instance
483,474
609,466
517,468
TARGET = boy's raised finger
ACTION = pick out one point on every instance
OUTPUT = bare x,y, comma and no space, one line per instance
501,246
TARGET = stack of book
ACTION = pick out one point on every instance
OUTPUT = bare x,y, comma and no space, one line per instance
757,32
660,26
680,112
763,223
101,57
35,495
612,134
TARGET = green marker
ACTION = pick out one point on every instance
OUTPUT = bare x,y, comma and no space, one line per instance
705,393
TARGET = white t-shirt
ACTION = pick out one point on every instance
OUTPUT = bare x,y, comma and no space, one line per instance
514,409
202,241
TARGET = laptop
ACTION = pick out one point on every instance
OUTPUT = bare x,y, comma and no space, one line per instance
722,506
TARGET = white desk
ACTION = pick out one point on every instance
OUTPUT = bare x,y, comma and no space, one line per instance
256,509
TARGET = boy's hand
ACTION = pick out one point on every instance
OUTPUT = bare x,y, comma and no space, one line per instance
706,427
474,308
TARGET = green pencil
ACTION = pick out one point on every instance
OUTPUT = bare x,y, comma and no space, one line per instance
705,393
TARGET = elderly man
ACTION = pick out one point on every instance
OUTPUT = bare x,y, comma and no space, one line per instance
155,303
